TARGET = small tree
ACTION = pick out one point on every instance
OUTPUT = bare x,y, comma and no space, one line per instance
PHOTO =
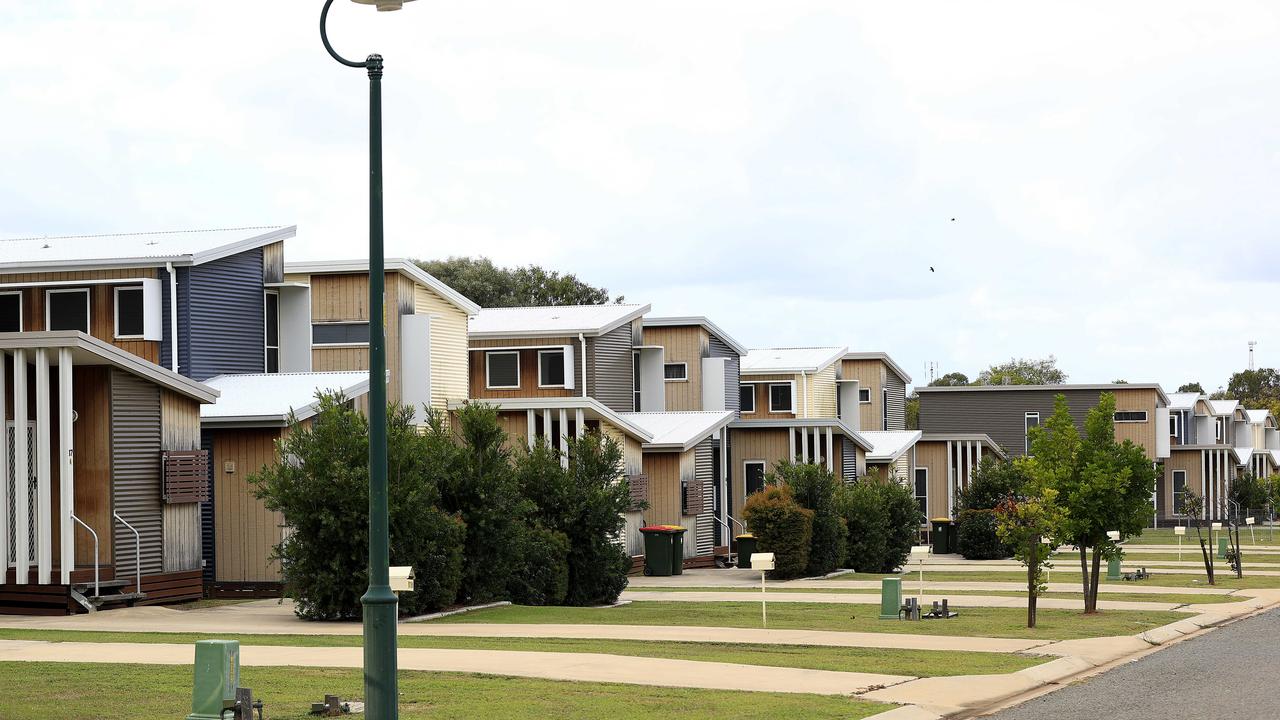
781,527
903,517
868,526
815,488
1024,522
1193,507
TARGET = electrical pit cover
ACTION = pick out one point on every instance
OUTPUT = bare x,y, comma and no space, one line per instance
762,561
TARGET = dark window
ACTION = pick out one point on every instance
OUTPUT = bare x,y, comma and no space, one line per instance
11,312
551,368
339,333
780,398
1030,420
884,409
635,379
675,371
272,305
1174,419
129,309
922,491
864,395
502,370
747,398
755,477
69,310
1135,416
1179,491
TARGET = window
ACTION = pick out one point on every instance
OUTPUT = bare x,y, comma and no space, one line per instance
675,372
550,368
1219,430
1029,420
1131,416
635,379
1179,491
884,409
753,471
1175,420
922,492
780,398
502,369
129,310
747,398
11,312
864,395
67,310
341,333
271,326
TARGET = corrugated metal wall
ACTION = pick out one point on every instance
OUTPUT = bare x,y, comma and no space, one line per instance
135,472
897,408
225,327
207,552
732,372
704,472
609,369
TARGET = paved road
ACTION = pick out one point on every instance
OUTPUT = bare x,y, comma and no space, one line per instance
1179,683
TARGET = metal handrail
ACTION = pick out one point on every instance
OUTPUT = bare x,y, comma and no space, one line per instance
96,591
137,540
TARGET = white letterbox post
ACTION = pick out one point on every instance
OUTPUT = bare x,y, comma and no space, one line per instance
1249,521
1048,551
1179,530
401,578
920,553
762,562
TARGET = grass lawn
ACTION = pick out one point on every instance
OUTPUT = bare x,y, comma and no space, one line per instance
983,622
1165,536
75,691
909,589
1189,554
870,660
1061,574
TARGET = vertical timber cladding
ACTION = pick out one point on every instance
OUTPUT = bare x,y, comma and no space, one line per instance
245,532
180,430
870,375
609,368
732,372
91,400
135,470
705,480
226,325
932,456
685,344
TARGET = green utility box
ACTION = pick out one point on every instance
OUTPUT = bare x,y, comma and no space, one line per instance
1222,547
663,550
217,675
942,536
746,548
1113,569
890,598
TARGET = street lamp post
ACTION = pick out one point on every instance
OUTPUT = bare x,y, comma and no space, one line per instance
379,601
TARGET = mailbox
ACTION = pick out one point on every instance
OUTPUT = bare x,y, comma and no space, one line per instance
1216,526
1248,521
919,553
1113,535
762,561
1179,530
401,578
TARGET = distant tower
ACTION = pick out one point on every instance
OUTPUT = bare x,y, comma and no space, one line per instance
1251,344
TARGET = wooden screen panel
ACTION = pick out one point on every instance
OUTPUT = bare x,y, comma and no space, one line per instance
639,485
693,501
186,476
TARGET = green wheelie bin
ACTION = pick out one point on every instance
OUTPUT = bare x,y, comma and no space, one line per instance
746,547
663,549
941,536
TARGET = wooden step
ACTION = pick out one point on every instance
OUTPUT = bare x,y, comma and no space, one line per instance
116,598
83,586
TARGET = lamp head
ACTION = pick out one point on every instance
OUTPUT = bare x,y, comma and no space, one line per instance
383,5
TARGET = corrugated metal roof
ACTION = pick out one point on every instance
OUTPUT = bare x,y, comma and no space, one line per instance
273,395
1183,401
554,320
888,445
683,429
1256,417
762,361
144,248
1223,407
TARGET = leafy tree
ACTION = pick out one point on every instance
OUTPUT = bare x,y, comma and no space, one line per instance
903,516
951,379
913,412
1256,389
994,481
815,488
1025,521
1194,387
868,526
1023,371
531,285
1120,381
599,496
1249,492
1101,485
781,527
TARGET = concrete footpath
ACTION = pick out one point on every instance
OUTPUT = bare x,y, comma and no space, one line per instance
994,601
579,667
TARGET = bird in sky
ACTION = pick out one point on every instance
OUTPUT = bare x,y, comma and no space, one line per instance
931,268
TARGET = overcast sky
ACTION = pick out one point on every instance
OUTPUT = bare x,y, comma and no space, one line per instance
791,170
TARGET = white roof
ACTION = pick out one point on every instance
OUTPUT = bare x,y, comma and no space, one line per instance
267,398
148,249
1183,401
403,266
557,320
1256,417
677,430
1223,407
700,320
888,445
882,357
763,361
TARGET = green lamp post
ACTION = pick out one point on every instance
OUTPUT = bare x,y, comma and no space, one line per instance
379,601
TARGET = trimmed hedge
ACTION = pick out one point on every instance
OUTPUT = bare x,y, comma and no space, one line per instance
976,534
781,527
815,488
542,571
868,527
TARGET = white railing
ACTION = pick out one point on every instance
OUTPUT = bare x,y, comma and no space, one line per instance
137,541
95,553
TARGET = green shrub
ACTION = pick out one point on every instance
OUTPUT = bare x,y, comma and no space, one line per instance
902,523
541,574
431,541
993,481
977,536
781,527
861,507
815,488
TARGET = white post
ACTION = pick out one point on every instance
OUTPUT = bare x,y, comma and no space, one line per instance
530,423
817,446
44,472
579,423
724,486
21,471
560,439
804,445
546,427
66,467
791,445
764,613
4,474
951,485
831,461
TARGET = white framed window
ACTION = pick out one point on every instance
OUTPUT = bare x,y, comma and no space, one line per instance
550,368
340,333
67,309
1029,420
922,492
1175,424
129,312
1219,430
864,395
747,398
502,369
753,476
1179,491
11,311
271,330
675,372
1131,416
780,400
